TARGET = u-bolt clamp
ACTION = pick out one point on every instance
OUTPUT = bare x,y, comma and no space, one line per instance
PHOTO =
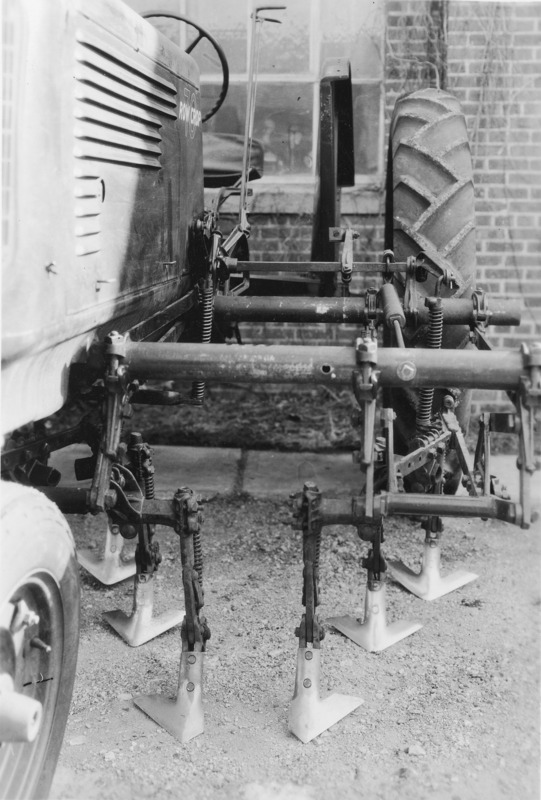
481,313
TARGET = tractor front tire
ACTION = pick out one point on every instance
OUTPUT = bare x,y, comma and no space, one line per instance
39,622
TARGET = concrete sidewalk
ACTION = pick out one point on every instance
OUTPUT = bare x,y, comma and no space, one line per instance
215,471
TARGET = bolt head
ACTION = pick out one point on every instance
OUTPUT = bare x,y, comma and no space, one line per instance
406,371
307,683
190,687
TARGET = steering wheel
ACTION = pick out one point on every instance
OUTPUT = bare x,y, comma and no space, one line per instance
203,34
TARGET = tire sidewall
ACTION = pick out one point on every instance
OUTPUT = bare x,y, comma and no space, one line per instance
36,541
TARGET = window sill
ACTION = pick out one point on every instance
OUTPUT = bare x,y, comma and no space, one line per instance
298,198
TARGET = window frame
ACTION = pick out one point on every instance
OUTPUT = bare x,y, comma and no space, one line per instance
295,191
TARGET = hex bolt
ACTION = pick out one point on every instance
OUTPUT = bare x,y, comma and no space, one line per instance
406,371
190,686
307,683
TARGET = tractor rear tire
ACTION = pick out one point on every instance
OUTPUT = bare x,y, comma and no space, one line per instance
430,209
39,578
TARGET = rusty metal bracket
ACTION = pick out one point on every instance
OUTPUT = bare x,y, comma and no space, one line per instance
119,390
528,405
365,389
347,261
195,631
411,299
310,631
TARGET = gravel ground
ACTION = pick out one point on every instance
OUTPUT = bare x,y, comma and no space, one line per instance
451,712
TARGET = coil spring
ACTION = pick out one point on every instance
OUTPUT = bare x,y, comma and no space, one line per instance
198,387
435,326
433,342
198,556
149,485
318,548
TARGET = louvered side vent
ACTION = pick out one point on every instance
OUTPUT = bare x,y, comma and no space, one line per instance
120,105
88,199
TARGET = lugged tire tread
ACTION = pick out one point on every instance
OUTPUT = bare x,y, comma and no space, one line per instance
436,176
432,150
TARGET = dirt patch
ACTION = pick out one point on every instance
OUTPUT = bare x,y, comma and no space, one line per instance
288,419
449,713
316,420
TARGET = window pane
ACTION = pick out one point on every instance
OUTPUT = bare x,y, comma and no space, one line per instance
353,29
286,47
283,124
231,117
227,22
366,127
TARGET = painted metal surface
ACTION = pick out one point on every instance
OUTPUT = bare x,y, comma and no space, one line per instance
104,180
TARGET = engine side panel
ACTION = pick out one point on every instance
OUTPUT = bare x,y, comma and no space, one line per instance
103,181
106,171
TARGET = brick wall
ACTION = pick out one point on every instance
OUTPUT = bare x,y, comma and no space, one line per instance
490,59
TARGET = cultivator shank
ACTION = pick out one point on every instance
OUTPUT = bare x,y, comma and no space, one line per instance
309,715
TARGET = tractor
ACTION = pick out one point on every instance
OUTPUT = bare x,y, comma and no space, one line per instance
117,285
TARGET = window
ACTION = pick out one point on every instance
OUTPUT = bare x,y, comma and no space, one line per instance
290,62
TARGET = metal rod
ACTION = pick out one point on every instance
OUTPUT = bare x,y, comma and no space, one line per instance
351,310
352,511
315,266
466,369
292,309
444,505
398,333
69,500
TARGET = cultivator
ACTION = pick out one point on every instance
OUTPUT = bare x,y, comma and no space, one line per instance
146,312
390,483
